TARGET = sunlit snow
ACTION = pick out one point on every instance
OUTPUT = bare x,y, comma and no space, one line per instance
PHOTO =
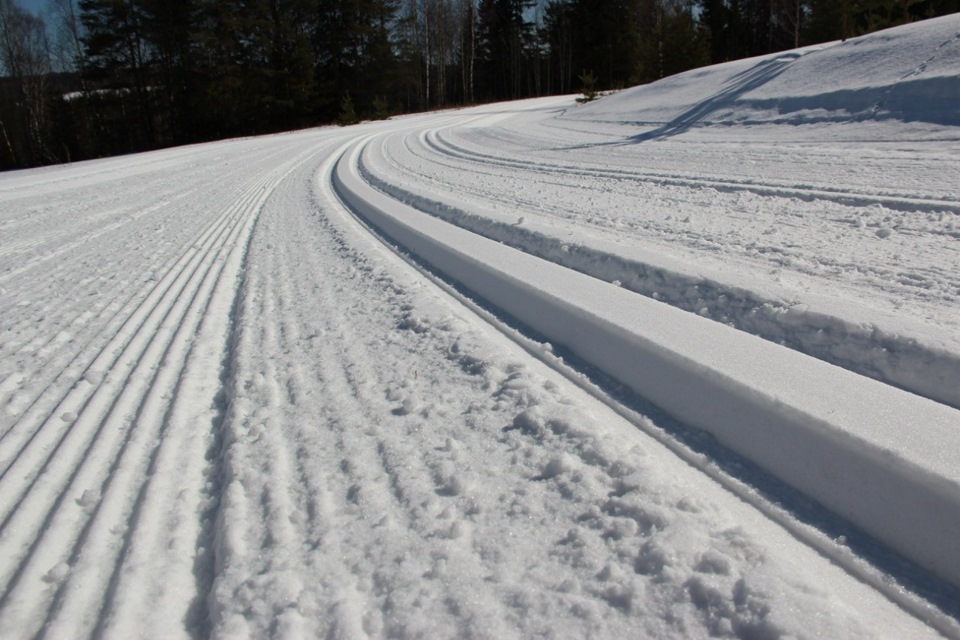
682,362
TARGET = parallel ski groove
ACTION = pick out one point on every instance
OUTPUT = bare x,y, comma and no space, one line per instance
75,599
178,310
101,453
435,140
123,346
856,567
246,412
90,287
116,334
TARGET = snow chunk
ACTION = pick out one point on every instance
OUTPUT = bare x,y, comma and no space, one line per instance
89,499
557,465
411,404
57,574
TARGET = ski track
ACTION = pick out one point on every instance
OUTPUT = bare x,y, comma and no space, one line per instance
393,468
122,433
359,474
436,141
229,409
435,176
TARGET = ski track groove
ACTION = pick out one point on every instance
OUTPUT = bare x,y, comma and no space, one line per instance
171,387
236,442
434,140
855,568
89,286
368,474
140,397
649,277
124,347
110,216
122,430
410,462
278,501
386,493
292,491
146,164
126,316
84,234
112,324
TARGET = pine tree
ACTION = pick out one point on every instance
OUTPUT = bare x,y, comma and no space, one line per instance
25,59
675,43
557,35
348,114
119,58
354,51
588,83
503,38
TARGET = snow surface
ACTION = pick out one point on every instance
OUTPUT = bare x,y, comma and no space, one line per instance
228,409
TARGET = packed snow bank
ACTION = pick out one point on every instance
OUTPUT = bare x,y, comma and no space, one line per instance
908,73
878,345
887,460
340,448
840,244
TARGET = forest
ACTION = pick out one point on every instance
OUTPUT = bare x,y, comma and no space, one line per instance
94,78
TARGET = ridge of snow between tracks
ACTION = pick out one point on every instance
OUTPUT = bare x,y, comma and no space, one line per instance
885,459
133,448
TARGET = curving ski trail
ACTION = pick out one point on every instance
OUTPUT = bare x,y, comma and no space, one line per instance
246,390
80,470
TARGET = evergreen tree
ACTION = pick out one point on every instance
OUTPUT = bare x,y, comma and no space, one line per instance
119,58
25,59
557,34
467,48
166,25
588,87
503,39
607,35
714,18
354,50
161,72
289,63
686,44
348,114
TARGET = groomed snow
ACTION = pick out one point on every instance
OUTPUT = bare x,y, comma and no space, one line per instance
229,409
776,407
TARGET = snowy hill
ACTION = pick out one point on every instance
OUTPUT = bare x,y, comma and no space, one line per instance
908,74
683,362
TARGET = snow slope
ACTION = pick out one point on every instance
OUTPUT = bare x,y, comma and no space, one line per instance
627,189
906,74
228,409
774,406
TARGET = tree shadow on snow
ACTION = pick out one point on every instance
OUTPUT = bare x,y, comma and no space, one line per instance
740,84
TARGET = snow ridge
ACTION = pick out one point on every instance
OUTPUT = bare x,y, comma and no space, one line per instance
92,472
907,74
228,409
777,417
868,348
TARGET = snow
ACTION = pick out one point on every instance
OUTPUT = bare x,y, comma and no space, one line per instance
229,409
908,73
771,404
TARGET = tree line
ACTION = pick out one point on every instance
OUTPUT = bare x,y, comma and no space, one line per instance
93,78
